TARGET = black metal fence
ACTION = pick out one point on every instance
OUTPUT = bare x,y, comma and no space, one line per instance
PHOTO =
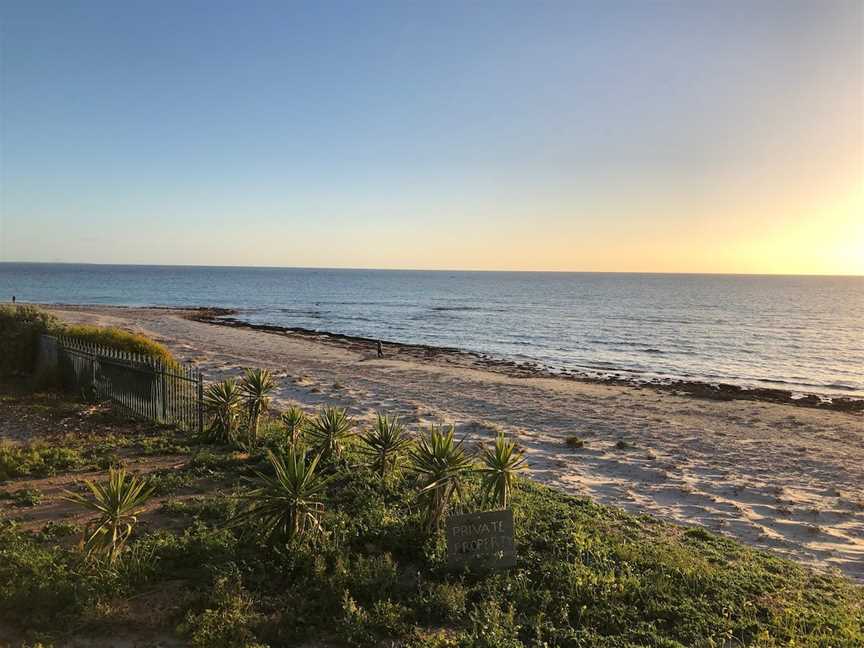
140,384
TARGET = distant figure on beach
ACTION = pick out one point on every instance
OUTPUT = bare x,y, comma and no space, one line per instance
380,349
13,299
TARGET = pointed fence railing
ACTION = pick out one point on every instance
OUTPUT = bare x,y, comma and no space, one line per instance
144,386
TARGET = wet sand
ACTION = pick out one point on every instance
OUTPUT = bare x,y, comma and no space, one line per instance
775,475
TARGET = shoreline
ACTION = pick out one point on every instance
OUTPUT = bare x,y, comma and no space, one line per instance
777,476
528,369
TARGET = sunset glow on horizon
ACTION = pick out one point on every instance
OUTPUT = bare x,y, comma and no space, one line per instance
625,137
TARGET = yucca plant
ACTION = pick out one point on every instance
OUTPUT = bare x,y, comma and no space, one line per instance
384,444
256,387
118,502
501,463
294,420
286,505
440,463
223,402
329,431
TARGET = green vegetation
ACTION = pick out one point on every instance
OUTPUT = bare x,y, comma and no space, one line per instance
329,431
22,325
294,420
119,340
20,328
36,460
255,388
274,551
286,506
117,502
223,402
23,498
440,464
500,466
385,444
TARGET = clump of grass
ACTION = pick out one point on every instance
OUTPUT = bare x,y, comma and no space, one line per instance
36,460
119,340
54,530
23,498
574,442
621,444
227,619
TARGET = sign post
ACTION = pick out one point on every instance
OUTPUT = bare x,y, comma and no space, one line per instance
481,540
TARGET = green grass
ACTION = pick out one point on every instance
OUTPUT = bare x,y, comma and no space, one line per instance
23,498
36,460
587,575
118,339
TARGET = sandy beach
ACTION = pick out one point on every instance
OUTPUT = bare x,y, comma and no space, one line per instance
785,478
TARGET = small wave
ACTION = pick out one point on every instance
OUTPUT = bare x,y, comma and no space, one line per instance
457,308
302,311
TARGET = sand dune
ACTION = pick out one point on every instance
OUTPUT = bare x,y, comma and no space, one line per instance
784,478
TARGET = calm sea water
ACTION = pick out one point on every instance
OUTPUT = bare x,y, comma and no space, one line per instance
800,333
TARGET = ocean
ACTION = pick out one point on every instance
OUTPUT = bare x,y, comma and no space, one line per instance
804,334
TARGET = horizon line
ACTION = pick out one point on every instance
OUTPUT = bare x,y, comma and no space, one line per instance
372,269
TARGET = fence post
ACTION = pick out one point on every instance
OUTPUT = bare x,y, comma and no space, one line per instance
200,403
93,378
164,379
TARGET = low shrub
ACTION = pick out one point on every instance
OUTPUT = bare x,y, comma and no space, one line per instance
41,586
20,328
227,620
22,325
36,460
25,497
119,340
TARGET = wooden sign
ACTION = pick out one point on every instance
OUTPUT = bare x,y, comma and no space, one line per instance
481,539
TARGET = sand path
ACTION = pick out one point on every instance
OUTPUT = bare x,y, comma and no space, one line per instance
784,478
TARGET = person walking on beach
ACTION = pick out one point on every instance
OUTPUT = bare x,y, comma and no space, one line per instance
13,299
380,349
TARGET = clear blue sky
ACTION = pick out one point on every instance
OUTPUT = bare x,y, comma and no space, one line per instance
680,136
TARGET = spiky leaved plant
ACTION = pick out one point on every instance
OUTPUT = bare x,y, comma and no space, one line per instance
501,463
117,502
256,387
440,463
286,505
294,419
384,444
329,431
223,402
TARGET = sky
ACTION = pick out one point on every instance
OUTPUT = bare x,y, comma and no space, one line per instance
590,136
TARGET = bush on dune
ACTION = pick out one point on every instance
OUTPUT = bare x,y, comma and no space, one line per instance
119,340
20,328
22,325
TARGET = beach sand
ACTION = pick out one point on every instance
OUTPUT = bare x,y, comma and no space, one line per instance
785,478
